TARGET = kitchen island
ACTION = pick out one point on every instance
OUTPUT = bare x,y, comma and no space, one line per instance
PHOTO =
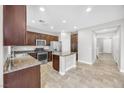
24,72
62,62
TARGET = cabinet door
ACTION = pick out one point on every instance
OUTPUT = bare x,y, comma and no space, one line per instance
38,35
50,56
42,36
74,44
55,38
30,38
56,62
25,78
47,38
14,24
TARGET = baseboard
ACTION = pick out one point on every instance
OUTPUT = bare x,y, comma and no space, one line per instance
85,62
73,66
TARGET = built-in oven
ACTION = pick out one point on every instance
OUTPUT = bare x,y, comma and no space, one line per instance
42,57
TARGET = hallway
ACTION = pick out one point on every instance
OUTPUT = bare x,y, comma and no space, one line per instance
104,73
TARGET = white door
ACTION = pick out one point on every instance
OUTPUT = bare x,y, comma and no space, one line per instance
107,45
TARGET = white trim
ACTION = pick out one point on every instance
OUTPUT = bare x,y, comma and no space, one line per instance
86,62
73,66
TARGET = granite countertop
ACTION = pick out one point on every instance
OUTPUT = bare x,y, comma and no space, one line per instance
31,51
22,62
63,54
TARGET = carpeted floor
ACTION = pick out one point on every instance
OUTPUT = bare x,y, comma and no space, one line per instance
103,74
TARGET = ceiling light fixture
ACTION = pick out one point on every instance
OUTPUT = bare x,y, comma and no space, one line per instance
88,9
75,27
42,9
63,21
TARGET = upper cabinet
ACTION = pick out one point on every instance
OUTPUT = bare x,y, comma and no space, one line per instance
14,28
32,36
14,24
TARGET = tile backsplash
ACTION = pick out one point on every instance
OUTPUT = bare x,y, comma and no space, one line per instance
23,48
6,52
7,49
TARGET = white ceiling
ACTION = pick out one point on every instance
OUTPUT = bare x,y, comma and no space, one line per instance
75,15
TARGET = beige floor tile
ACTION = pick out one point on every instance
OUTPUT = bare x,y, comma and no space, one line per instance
104,73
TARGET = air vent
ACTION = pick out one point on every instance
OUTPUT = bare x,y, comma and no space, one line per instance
41,21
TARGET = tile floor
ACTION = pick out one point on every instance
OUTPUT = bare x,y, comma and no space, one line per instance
103,74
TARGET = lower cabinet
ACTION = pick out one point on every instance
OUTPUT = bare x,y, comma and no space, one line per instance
25,78
50,56
33,55
56,62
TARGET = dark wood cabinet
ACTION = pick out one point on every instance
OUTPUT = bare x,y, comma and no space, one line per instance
55,38
30,38
14,28
56,62
14,24
47,38
50,56
25,78
74,44
34,55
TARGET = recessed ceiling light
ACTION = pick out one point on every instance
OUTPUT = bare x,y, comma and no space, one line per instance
42,9
88,9
33,21
52,27
75,27
63,21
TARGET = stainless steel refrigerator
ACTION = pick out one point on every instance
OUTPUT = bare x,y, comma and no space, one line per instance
55,46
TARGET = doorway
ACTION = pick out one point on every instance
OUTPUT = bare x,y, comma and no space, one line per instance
107,45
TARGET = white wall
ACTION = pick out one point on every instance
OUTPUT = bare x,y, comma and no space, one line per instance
94,48
65,39
1,46
85,46
122,48
85,41
116,46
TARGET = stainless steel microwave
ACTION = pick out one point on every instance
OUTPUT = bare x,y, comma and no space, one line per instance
40,42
